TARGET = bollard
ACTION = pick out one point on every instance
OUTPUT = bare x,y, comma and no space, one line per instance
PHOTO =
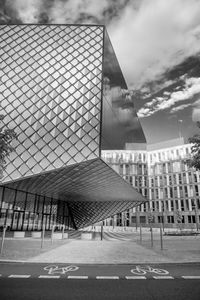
52,231
101,232
43,232
161,238
63,231
140,234
151,229
3,238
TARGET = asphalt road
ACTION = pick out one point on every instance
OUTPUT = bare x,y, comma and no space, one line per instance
61,281
37,289
81,271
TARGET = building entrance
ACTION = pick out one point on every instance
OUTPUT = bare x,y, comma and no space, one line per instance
17,220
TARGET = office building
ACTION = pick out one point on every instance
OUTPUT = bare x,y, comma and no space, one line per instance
160,173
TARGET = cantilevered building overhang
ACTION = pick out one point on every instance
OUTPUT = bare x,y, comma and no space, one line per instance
63,92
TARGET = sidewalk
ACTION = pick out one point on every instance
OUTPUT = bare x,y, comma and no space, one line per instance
116,248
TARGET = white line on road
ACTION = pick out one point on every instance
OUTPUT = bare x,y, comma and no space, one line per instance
135,277
19,276
49,276
107,277
163,277
191,277
77,277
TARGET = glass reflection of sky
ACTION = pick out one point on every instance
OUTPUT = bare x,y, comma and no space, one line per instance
120,121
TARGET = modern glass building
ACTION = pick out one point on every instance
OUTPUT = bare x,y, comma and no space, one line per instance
63,92
160,173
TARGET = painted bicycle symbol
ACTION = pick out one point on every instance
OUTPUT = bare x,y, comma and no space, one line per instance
53,269
142,270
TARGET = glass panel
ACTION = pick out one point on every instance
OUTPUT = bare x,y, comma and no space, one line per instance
51,97
120,122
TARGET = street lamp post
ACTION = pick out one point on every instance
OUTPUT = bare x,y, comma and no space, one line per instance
163,221
196,219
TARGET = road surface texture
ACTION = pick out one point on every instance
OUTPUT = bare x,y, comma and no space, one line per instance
53,289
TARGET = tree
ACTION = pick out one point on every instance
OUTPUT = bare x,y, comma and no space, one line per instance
194,161
6,137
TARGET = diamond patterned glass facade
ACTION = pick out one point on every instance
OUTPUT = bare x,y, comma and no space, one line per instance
51,94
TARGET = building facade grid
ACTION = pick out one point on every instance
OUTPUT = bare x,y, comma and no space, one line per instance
171,188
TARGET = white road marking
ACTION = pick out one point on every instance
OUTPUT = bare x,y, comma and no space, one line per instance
135,277
191,277
49,276
107,277
19,276
77,277
163,277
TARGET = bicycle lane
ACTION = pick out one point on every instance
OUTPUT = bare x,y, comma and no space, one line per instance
81,271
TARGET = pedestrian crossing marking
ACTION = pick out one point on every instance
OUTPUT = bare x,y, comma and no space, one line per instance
19,276
107,277
77,277
163,277
135,277
191,277
49,276
139,277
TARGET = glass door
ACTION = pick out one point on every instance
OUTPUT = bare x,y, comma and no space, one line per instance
17,221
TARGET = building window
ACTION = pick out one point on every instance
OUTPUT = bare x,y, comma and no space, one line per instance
171,192
195,177
160,219
198,203
174,178
157,195
172,205
184,178
166,193
196,190
182,205
186,191
166,205
169,167
193,204
181,191
175,192
190,177
176,203
170,219
191,219
187,204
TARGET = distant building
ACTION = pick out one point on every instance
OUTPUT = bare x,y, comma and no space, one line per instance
160,173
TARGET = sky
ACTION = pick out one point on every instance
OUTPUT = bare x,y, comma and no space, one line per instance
157,43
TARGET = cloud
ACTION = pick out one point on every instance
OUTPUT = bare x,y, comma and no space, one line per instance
149,37
191,89
68,11
181,107
155,37
28,11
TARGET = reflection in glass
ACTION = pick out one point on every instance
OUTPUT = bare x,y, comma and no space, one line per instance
120,121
